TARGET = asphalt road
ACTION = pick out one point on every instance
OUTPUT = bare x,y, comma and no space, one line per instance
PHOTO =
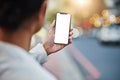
106,58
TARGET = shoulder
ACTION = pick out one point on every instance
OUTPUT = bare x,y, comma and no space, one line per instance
26,69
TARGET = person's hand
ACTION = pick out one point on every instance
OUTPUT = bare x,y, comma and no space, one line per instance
49,44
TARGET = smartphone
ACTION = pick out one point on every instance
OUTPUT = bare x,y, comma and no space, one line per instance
62,28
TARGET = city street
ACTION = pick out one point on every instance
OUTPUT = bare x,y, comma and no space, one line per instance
104,57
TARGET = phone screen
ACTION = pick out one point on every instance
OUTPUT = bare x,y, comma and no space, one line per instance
62,28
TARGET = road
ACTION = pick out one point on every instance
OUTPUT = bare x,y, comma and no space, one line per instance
106,58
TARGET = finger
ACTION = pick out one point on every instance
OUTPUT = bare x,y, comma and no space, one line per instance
71,33
70,41
71,28
70,37
52,26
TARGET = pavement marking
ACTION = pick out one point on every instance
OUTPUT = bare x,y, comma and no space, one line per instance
84,62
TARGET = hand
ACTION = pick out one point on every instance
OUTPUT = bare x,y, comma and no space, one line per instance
49,44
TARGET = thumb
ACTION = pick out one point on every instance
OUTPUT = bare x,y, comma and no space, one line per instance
52,26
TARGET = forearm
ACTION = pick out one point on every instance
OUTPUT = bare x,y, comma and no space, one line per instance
39,53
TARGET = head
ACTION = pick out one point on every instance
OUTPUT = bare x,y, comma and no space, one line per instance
20,19
15,13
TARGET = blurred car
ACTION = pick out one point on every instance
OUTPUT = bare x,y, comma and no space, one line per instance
109,34
76,33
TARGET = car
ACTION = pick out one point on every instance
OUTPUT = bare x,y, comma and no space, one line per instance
109,34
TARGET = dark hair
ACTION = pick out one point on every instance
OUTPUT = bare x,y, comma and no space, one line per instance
14,12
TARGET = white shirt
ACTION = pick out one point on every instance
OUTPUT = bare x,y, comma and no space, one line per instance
39,53
17,64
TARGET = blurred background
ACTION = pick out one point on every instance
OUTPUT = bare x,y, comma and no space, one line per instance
95,51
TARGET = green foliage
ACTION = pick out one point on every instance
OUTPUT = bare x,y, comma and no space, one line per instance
51,15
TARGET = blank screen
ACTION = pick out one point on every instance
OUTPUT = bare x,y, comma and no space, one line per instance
62,28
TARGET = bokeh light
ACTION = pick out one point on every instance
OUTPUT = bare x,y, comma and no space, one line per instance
84,2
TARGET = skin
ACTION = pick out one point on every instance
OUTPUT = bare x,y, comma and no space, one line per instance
49,44
22,36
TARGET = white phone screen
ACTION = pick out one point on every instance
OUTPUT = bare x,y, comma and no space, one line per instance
62,28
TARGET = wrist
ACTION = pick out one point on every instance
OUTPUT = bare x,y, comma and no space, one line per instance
46,49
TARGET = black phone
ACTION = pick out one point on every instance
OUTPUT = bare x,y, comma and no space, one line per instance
62,28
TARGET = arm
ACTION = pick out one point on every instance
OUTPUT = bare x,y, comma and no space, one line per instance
39,53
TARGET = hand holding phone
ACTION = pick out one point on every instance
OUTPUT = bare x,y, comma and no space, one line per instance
49,45
62,28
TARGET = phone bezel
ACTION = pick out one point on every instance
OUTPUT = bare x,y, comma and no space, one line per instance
69,26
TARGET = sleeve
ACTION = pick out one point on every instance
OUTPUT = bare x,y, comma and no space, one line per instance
39,53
